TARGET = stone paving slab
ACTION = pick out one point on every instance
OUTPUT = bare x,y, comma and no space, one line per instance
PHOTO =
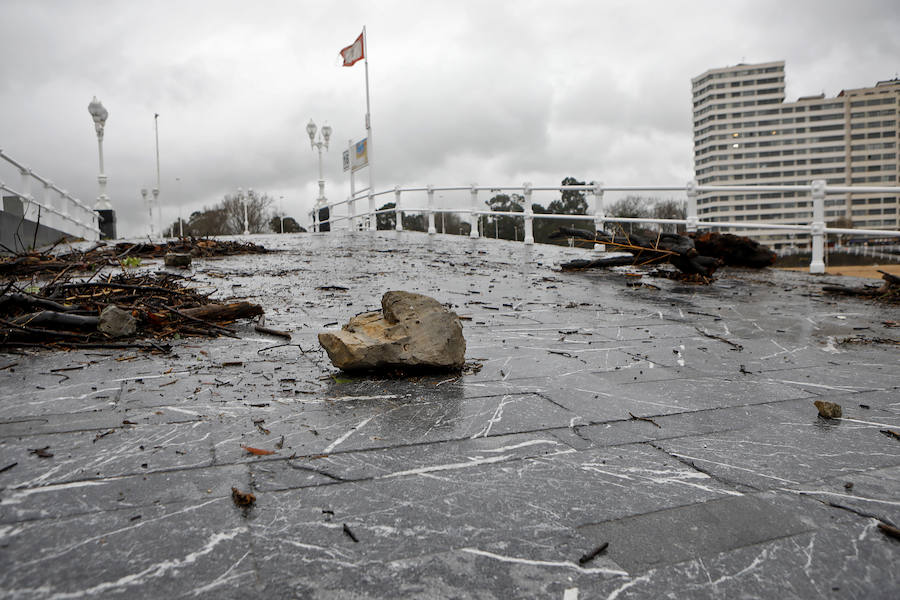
486,484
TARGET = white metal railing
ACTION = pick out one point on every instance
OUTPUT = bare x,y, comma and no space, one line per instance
883,253
817,191
56,208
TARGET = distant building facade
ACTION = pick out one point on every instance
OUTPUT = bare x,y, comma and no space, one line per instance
746,134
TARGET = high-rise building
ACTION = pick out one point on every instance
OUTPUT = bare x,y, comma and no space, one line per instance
746,134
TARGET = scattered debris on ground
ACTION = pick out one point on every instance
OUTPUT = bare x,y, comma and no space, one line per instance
866,340
349,533
242,499
113,311
890,433
257,451
733,250
647,419
28,264
696,255
411,331
177,259
828,410
889,530
888,292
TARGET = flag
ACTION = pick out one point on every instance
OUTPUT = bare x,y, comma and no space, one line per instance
354,52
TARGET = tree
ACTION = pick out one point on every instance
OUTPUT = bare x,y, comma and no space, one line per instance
450,223
257,212
209,221
571,202
290,225
630,207
505,227
670,209
388,220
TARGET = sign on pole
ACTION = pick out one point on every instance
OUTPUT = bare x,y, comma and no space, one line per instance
361,154
346,160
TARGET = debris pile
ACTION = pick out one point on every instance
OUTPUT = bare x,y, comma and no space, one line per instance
733,250
888,292
696,256
411,331
28,264
103,313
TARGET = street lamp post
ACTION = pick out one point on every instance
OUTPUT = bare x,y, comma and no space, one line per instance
180,200
321,202
281,211
245,203
107,217
149,205
159,227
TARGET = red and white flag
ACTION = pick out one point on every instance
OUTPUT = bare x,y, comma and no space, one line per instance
354,52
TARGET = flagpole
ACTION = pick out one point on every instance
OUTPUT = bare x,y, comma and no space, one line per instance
368,114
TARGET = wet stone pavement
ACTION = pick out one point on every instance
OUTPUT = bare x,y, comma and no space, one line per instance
491,484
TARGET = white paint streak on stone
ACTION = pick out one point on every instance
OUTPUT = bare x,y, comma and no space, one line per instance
344,437
546,563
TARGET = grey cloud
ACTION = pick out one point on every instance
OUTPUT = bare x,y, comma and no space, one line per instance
495,92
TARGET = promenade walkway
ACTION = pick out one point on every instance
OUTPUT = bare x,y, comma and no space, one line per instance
491,484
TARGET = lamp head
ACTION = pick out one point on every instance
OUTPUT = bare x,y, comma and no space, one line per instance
311,130
326,133
99,114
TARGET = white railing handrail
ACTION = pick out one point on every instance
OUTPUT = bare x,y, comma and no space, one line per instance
84,220
816,228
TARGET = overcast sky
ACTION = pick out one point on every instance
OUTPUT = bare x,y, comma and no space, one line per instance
494,92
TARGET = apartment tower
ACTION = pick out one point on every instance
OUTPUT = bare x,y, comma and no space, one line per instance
746,134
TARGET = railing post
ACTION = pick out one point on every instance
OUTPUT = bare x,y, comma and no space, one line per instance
64,203
431,228
28,207
398,213
599,213
473,217
351,212
817,228
53,218
529,214
373,225
692,220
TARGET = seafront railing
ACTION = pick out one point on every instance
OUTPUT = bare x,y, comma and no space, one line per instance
817,190
56,208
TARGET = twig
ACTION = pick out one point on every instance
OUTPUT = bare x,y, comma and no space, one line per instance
260,327
737,347
350,534
890,433
889,530
649,420
225,330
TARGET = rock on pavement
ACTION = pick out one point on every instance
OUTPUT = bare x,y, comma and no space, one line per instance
411,330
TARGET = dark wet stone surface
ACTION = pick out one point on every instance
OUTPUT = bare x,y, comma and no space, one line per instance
488,484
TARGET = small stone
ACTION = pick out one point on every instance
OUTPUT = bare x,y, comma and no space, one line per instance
174,259
116,322
829,410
